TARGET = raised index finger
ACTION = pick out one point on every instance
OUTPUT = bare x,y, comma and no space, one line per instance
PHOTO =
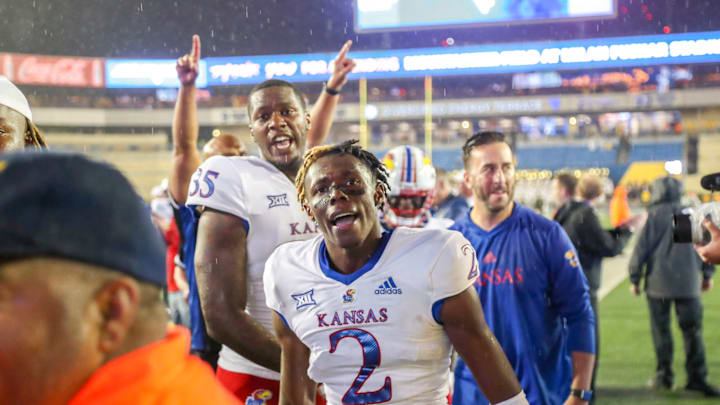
344,50
196,49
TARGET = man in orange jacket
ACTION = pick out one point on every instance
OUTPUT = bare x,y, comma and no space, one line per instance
81,269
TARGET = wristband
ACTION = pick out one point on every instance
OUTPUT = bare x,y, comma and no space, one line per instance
330,91
518,399
585,395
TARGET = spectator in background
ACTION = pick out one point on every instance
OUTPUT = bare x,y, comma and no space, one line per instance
591,241
161,212
619,207
564,188
224,145
460,187
623,149
160,208
447,204
673,274
16,120
176,296
81,269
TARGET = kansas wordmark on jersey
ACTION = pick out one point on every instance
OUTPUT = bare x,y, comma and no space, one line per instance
374,335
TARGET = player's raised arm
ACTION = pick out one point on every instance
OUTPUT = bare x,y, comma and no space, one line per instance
186,157
295,385
464,323
323,111
221,272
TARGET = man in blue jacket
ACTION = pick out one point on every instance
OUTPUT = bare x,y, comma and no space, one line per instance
532,288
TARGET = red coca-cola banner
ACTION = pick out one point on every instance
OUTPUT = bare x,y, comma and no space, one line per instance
62,71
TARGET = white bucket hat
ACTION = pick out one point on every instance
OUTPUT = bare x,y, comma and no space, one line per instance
12,97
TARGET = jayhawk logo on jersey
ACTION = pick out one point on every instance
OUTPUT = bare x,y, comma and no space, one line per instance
570,256
259,397
349,296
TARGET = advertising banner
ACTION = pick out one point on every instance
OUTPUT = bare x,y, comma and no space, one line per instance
41,70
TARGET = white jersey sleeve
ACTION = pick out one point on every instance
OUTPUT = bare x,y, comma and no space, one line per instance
455,270
270,284
216,185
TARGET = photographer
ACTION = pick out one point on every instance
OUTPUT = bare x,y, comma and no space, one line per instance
710,252
674,274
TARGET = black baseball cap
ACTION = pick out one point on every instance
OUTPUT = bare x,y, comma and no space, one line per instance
66,205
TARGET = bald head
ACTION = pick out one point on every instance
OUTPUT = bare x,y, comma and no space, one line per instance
225,145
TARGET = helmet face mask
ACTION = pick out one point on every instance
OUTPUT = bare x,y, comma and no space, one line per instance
406,203
412,186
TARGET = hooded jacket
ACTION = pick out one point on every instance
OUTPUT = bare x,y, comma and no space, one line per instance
671,270
591,241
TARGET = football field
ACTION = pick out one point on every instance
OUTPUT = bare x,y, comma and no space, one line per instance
627,360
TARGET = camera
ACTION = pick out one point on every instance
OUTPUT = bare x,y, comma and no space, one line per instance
687,226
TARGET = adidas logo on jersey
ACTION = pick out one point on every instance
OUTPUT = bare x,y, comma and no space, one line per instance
489,258
388,287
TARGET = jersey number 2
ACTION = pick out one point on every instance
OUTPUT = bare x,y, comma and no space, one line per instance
371,359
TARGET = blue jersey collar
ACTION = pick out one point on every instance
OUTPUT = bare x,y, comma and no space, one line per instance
347,279
498,228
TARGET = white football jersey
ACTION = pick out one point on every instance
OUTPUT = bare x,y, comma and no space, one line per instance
263,197
396,350
438,223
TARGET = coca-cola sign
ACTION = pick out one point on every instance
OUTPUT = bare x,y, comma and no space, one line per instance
53,70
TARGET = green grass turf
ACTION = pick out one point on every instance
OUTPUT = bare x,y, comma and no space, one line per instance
627,359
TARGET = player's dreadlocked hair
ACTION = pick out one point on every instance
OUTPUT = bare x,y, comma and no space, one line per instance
33,137
378,170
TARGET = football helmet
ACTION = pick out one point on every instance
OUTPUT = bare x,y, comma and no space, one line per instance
412,186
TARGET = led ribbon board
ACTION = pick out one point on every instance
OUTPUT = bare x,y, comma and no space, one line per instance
597,53
143,73
700,47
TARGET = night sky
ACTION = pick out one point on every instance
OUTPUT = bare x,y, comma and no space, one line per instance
162,28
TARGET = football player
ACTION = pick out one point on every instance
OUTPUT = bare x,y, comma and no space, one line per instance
370,314
412,186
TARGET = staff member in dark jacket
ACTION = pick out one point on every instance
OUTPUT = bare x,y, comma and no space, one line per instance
672,273
591,241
